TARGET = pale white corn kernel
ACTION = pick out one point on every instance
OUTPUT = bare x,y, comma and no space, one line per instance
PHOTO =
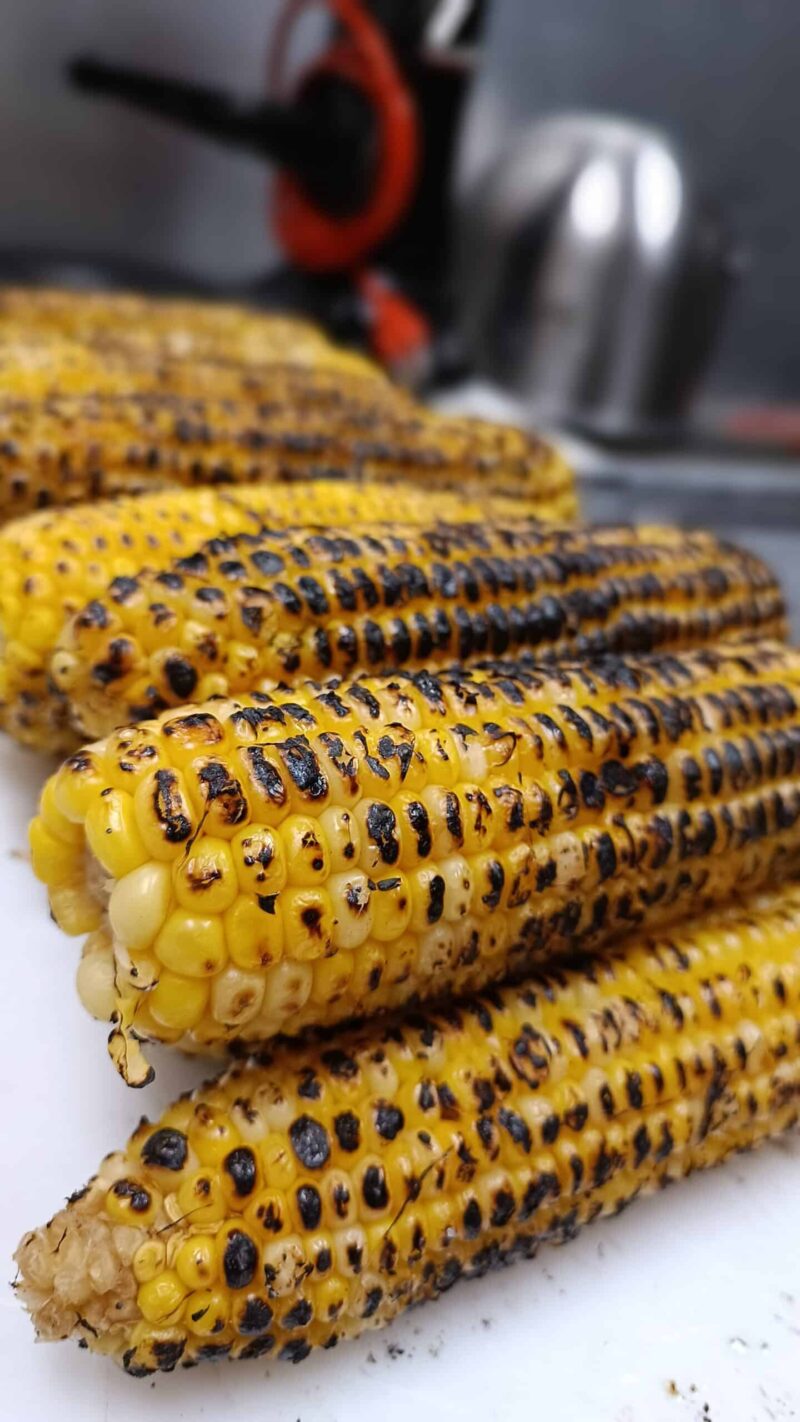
139,904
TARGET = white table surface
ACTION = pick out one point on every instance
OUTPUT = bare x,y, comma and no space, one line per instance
687,1307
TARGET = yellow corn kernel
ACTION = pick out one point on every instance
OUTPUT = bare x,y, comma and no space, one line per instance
74,906
455,872
308,860
278,1164
351,905
342,836
391,907
193,735
236,996
254,935
204,880
370,963
307,916
211,1135
55,861
206,1312
200,1198
130,1202
332,977
287,988
192,945
139,904
161,1299
54,820
438,749
149,1260
196,1261
112,834
177,1002
76,784
260,859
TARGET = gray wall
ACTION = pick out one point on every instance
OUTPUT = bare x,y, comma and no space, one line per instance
80,173
724,75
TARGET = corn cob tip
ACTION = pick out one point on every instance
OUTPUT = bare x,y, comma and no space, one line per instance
74,1273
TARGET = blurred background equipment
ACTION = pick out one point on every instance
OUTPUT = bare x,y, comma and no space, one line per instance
363,142
602,299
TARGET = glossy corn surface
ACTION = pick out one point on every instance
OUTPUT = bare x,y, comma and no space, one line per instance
305,1199
297,858
54,562
284,607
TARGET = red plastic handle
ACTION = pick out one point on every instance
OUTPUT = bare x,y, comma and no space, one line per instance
312,238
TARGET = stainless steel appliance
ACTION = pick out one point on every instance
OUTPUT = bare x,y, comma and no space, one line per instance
592,276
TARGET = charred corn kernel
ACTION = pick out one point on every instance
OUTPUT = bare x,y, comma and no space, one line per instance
206,1312
311,603
267,1214
161,1299
112,835
389,1163
238,1256
196,1261
260,859
205,878
178,1002
635,789
308,860
130,1202
307,922
164,816
200,1197
139,904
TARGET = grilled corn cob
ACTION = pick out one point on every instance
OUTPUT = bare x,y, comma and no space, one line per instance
298,858
109,394
53,562
253,609
64,449
133,325
308,1197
